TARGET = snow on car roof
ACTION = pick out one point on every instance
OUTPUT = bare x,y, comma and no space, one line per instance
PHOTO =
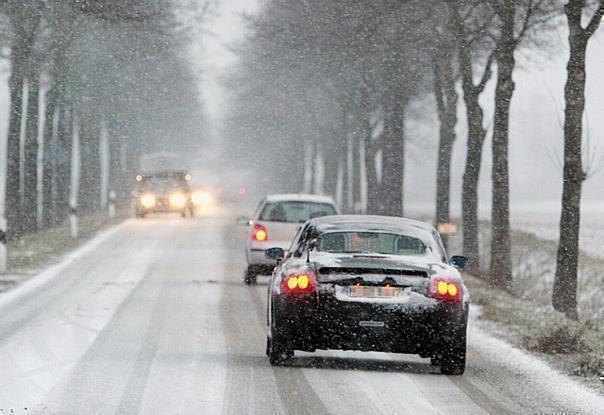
369,222
299,197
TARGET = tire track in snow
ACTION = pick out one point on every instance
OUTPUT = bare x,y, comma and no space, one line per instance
252,384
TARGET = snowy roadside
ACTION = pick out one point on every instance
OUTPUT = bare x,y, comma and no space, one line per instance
525,317
489,353
571,348
34,253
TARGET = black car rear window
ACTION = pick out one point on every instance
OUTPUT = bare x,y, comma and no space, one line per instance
371,242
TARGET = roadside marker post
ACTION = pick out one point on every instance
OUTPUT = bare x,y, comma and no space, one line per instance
73,222
111,204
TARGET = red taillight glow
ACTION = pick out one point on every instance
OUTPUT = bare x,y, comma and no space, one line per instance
445,289
259,233
302,283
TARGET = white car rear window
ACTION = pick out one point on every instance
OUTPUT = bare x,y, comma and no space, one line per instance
294,211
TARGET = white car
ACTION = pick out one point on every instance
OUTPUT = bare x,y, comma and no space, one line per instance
275,223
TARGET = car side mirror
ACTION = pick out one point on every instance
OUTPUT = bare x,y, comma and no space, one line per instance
460,262
243,221
275,253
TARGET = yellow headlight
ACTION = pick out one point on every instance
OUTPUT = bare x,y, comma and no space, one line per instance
202,198
148,200
178,200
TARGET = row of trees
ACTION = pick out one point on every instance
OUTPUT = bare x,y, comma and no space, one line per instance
324,90
93,85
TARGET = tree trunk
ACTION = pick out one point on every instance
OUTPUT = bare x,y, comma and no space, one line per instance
52,112
565,283
373,187
116,170
90,163
63,177
350,166
58,70
25,19
476,136
355,143
14,205
331,162
30,159
370,169
500,274
393,153
446,99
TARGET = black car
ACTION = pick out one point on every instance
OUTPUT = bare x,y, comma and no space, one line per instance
166,191
370,283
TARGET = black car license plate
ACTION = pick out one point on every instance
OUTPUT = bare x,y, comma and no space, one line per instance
363,291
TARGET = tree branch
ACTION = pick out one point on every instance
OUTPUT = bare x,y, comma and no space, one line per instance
530,10
596,19
478,32
486,75
438,94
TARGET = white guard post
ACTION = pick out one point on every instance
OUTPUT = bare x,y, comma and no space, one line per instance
73,222
111,204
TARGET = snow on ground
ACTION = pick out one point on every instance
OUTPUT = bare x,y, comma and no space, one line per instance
533,372
155,317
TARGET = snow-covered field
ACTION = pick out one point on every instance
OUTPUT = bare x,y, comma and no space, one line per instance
535,258
543,223
534,245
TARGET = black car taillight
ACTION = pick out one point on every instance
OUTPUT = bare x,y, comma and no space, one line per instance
299,283
445,289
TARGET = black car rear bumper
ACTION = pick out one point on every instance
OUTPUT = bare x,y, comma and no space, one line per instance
309,324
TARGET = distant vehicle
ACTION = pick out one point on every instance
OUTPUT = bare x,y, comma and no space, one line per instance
275,223
230,194
202,198
368,283
166,191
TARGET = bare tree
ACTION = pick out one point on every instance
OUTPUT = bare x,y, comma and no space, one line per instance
564,297
25,20
445,93
532,14
469,35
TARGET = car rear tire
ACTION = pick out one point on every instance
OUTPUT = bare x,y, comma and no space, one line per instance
453,357
278,352
250,277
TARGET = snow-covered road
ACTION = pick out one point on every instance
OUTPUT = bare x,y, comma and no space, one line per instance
153,317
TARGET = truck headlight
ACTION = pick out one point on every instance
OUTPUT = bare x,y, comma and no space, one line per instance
148,200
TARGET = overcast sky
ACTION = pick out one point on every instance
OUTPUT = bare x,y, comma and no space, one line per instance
215,56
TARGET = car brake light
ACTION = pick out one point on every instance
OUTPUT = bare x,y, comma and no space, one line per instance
444,289
259,233
300,283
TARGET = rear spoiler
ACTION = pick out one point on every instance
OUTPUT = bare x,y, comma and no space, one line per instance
383,271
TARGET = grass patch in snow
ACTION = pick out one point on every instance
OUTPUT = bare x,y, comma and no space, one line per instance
534,267
540,328
31,253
